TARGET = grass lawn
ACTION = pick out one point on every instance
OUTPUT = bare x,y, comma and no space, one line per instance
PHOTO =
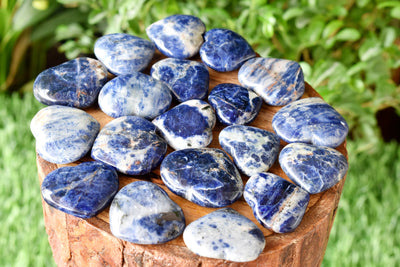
365,233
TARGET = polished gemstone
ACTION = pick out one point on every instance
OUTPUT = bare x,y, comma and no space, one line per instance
143,213
310,120
83,190
130,144
313,168
135,94
205,176
75,83
63,134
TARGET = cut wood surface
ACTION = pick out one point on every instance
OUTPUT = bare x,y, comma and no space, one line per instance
79,242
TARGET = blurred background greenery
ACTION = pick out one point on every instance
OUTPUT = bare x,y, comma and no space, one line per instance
349,51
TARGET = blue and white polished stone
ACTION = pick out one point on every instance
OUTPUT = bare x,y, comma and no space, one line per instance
234,104
188,125
277,81
187,79
276,203
253,149
130,144
83,190
63,134
310,120
143,213
177,36
75,83
123,54
205,176
225,234
313,168
224,50
135,94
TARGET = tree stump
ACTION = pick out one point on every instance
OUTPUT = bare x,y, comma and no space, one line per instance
79,242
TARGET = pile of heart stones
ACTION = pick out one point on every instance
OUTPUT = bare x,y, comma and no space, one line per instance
135,142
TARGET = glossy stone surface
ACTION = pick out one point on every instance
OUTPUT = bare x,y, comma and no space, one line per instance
234,104
123,54
224,50
310,120
225,234
188,125
143,213
83,190
63,134
75,83
130,144
205,176
177,36
253,149
135,94
277,204
187,79
277,81
313,168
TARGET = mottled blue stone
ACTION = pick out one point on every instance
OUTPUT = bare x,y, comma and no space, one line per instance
63,134
225,234
130,144
188,125
143,213
310,120
177,36
313,168
277,81
135,94
276,203
224,50
83,190
205,176
75,83
234,104
187,79
123,54
253,149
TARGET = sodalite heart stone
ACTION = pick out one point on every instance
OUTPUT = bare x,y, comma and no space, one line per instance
177,36
224,50
63,134
205,176
123,54
277,204
225,234
143,213
253,150
83,190
313,168
277,81
130,144
234,104
75,83
135,94
188,125
310,120
187,79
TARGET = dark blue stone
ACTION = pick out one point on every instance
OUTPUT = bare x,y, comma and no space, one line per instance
313,168
310,120
143,213
224,50
75,83
234,104
83,190
277,204
187,79
205,176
